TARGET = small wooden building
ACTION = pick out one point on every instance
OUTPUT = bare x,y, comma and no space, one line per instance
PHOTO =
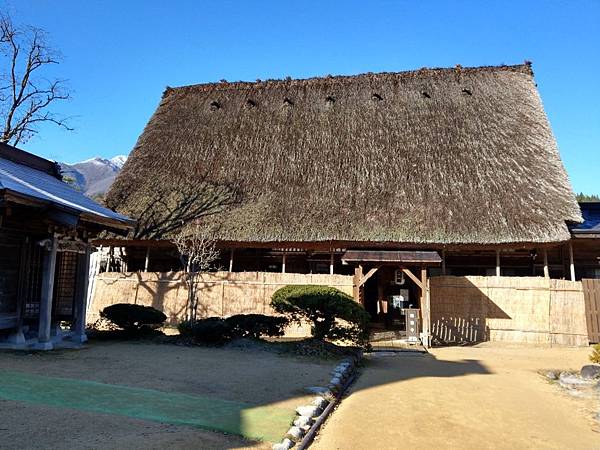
45,232
586,242
391,177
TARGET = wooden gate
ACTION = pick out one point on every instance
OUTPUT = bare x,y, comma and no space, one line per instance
591,292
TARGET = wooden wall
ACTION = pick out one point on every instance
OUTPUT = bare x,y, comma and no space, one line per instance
10,261
221,293
586,254
508,309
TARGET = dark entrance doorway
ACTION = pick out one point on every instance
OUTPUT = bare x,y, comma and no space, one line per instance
392,286
387,294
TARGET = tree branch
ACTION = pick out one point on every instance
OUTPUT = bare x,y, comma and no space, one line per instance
25,99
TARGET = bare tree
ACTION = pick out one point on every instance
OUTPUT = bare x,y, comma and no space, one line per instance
196,244
25,95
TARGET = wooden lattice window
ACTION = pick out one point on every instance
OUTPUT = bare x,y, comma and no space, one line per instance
64,285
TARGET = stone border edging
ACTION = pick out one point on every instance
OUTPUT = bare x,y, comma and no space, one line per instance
311,417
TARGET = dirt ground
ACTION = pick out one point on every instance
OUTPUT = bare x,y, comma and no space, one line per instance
243,375
478,397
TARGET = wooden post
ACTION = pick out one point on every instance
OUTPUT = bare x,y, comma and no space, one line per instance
497,263
283,263
381,303
443,261
49,266
80,306
231,260
331,263
358,275
147,261
546,269
124,267
425,308
571,261
222,299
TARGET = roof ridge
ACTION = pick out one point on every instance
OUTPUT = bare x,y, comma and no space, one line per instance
525,68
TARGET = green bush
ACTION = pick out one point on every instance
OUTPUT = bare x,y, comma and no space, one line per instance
215,330
595,356
133,318
185,328
211,331
334,315
257,325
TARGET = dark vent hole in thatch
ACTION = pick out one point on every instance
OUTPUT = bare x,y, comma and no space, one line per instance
251,104
425,94
376,97
287,102
467,91
214,105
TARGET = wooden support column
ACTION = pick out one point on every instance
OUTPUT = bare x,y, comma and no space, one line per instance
124,267
231,260
443,262
571,261
425,308
80,306
147,260
49,266
358,276
331,263
497,263
546,269
283,263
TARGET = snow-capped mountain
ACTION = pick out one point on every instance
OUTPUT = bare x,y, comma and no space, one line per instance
94,176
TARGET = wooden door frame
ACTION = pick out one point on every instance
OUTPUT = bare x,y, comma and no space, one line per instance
422,283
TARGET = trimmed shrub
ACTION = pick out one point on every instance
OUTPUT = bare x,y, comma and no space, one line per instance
185,329
215,330
257,325
133,318
334,315
211,331
595,356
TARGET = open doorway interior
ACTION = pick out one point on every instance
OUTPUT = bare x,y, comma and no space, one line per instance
389,296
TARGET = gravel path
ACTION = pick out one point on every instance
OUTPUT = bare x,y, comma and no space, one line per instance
464,398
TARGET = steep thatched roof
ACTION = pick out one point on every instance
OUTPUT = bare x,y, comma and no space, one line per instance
463,155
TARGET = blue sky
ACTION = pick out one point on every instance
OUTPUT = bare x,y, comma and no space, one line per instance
120,55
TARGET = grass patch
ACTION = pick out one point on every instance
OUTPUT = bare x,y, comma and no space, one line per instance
250,421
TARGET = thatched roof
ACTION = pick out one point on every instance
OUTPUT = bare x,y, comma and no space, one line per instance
462,155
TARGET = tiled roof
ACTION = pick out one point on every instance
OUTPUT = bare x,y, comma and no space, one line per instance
39,185
591,219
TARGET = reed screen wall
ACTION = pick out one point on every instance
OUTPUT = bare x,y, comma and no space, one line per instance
221,293
509,309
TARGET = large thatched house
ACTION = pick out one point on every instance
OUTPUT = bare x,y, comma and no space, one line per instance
450,171
45,229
